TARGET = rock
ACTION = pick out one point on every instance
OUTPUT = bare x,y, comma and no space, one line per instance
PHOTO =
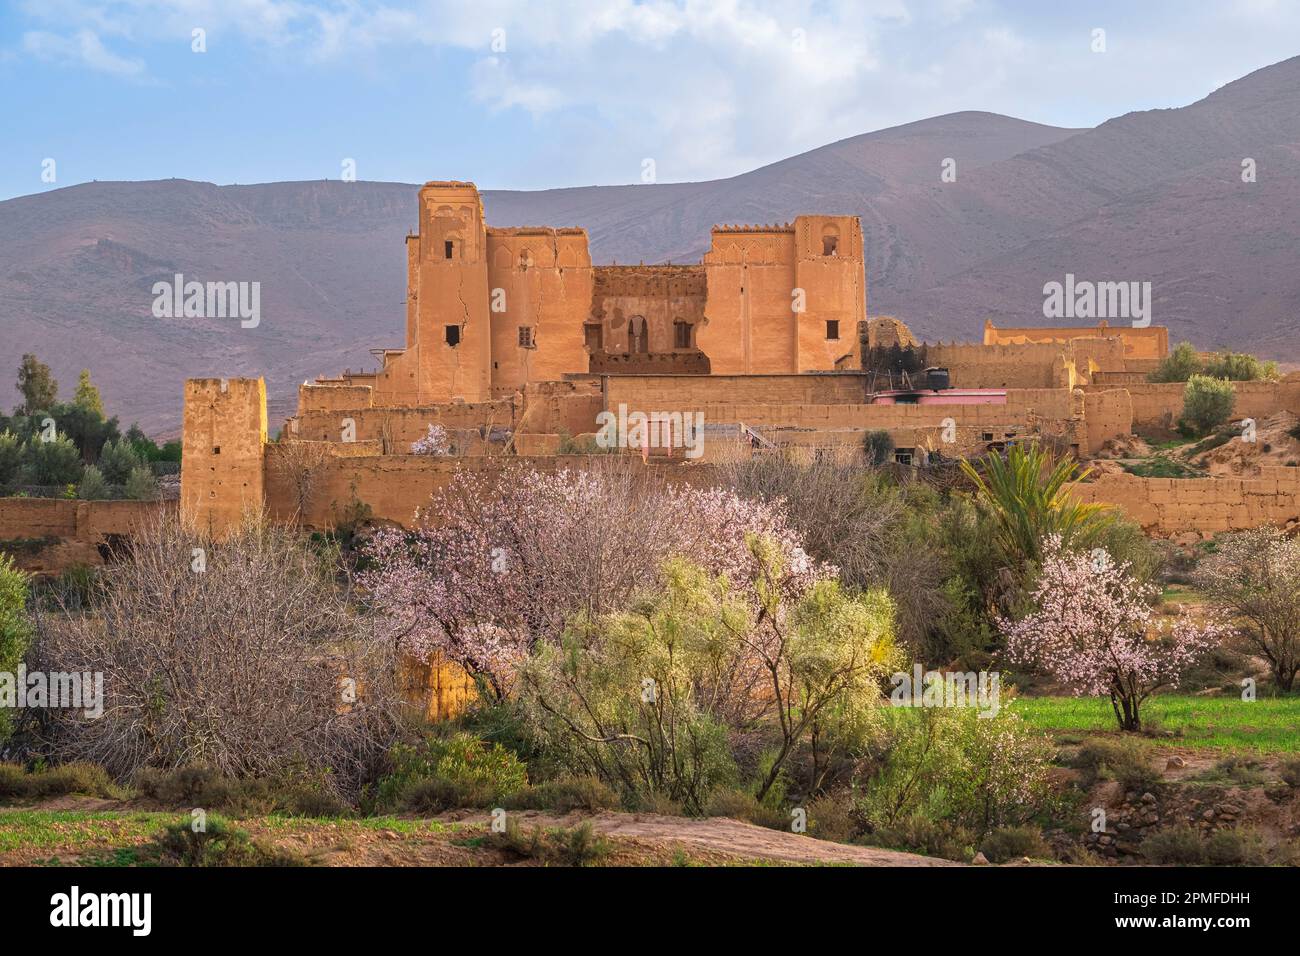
1148,798
1207,815
980,860
1175,763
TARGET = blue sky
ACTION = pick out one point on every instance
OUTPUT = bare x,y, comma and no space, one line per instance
551,93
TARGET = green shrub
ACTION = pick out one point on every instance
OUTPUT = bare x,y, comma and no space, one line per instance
199,786
831,818
1207,404
80,778
739,805
579,846
466,766
93,487
563,796
1289,771
879,447
215,844
1012,843
141,485
56,462
15,630
1180,845
438,794
1240,367
952,764
1240,846
1179,365
1126,760
11,457
917,833
117,459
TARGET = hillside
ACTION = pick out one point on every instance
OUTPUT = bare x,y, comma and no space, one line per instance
1154,195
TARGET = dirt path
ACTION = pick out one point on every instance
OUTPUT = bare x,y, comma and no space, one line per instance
731,838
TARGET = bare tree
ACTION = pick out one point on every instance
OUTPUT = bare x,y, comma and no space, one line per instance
299,463
240,654
1255,576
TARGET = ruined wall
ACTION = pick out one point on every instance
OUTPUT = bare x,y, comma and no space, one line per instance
393,487
669,392
1151,342
223,436
637,307
1033,365
1159,405
399,427
1208,505
46,536
1107,414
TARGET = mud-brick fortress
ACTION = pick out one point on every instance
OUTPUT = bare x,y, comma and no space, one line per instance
516,344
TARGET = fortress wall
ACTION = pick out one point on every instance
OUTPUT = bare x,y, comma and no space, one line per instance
1159,404
49,535
401,426
1107,414
668,392
395,486
328,398
1209,505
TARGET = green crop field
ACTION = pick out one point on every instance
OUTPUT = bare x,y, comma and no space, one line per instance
1266,725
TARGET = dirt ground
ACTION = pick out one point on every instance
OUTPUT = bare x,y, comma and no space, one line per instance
459,839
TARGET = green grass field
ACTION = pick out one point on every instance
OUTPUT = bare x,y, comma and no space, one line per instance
1228,723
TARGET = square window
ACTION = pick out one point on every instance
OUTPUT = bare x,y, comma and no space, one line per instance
832,329
526,337
987,436
903,456
452,333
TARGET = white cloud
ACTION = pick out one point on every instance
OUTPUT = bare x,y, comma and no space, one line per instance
83,48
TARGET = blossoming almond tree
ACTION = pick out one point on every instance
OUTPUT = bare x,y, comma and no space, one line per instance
1092,630
493,567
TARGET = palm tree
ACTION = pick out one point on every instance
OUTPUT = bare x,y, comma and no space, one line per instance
1027,496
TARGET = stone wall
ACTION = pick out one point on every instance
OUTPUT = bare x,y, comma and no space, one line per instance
49,535
1166,506
1157,406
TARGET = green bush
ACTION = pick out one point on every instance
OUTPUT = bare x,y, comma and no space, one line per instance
952,764
11,457
1240,367
199,786
1179,365
438,794
879,447
15,630
1207,404
56,462
579,846
1241,846
739,805
831,818
93,486
117,459
1180,846
1126,760
86,779
457,767
918,833
217,843
1012,843
563,796
141,485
